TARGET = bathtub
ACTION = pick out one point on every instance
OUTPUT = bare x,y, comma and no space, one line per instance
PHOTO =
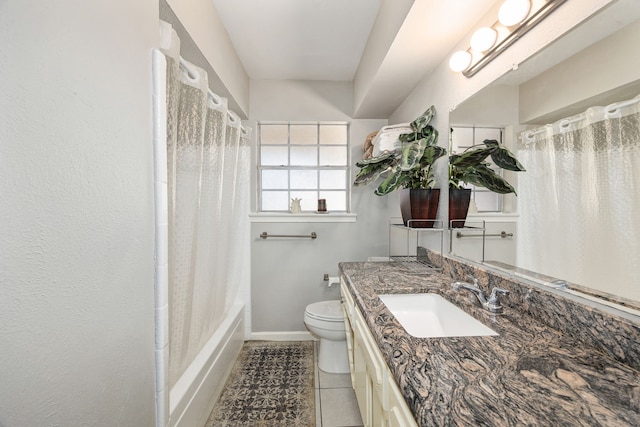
192,398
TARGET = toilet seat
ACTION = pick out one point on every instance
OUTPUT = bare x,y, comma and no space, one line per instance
328,311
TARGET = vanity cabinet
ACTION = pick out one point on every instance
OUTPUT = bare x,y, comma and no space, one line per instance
378,396
399,413
347,308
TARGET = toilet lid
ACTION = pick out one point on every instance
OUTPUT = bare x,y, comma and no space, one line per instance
325,310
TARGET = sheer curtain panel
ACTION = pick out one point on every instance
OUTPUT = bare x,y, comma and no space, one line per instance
581,194
207,197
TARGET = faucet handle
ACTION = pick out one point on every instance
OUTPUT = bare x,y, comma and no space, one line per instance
473,279
493,298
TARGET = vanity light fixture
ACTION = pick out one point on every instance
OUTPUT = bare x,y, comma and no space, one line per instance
513,12
483,39
515,18
460,61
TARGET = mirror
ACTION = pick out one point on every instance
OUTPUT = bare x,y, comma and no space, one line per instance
563,80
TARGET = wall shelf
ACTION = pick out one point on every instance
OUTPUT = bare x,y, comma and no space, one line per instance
408,246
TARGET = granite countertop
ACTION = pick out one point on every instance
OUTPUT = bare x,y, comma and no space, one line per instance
530,374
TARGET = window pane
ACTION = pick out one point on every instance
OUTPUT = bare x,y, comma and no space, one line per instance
461,138
304,180
304,134
309,200
333,134
275,201
274,134
304,156
290,156
487,201
487,133
274,156
275,180
330,180
333,156
336,200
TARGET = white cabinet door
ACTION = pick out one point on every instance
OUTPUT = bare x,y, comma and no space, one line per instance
399,413
378,414
361,381
395,418
379,399
347,308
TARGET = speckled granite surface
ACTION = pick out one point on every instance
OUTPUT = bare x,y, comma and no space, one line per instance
614,335
531,374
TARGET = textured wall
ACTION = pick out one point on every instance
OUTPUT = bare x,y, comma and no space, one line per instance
287,275
76,235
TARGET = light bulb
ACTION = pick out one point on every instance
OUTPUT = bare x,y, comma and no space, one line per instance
460,61
513,12
483,39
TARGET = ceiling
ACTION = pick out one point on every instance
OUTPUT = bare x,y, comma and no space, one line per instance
326,39
299,39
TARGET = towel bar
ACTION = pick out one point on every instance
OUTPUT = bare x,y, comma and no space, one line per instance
502,234
313,235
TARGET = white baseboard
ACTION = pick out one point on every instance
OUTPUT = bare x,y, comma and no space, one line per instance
282,336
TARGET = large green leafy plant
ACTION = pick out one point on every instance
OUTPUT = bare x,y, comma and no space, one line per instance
408,167
471,167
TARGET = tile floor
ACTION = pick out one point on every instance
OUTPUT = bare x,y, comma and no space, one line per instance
336,404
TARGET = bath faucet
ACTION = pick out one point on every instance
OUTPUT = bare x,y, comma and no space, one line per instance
492,303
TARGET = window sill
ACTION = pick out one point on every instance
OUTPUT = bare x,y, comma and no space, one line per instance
305,217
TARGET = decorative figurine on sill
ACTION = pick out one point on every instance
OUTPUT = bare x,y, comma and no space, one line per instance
295,206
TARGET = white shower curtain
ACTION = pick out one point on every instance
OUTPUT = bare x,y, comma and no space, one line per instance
581,194
208,175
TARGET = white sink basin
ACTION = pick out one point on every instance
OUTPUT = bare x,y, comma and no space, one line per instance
430,316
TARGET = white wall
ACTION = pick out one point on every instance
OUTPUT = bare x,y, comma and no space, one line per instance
496,106
389,20
286,275
229,79
566,89
470,244
76,251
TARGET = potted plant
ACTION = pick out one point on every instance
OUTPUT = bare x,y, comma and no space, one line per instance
410,170
471,167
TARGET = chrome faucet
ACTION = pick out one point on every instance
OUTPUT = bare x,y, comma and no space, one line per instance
492,303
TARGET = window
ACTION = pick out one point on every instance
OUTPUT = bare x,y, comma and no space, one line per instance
308,161
464,137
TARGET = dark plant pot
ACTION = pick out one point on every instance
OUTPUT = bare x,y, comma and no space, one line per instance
458,206
419,206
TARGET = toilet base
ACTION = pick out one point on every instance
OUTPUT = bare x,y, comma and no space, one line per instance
332,357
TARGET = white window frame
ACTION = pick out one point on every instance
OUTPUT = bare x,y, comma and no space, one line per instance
346,168
500,171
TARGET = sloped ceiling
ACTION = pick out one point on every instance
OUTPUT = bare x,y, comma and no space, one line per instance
385,47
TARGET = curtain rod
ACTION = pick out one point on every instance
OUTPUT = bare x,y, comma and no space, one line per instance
609,109
216,99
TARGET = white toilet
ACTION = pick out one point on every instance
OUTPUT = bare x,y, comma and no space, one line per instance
324,319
